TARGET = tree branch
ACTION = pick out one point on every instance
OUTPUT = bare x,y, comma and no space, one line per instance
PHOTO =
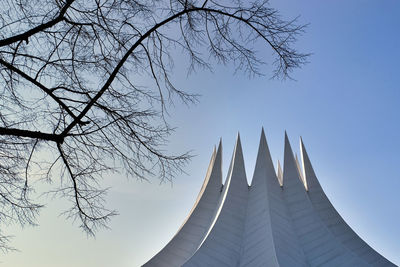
41,86
25,35
32,134
147,34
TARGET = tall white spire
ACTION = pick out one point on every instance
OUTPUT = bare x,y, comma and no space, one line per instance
222,244
320,247
188,238
268,224
331,218
258,243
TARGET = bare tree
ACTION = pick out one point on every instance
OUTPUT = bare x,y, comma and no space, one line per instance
73,107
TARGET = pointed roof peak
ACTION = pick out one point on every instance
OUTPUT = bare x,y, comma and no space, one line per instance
304,155
264,168
307,167
302,147
237,168
263,141
287,143
219,150
291,166
238,144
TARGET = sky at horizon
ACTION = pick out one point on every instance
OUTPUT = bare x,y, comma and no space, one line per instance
345,103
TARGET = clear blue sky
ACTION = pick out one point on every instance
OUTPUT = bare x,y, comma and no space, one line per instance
345,104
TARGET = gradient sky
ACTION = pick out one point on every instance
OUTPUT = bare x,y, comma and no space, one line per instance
345,104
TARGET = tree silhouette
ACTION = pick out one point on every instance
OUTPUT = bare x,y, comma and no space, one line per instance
73,106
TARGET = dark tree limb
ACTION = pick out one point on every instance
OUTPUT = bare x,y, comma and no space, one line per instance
32,134
42,27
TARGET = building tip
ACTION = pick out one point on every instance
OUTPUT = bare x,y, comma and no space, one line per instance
286,136
238,138
287,142
302,147
219,146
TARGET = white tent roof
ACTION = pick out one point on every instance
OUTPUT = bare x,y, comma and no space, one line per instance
286,222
